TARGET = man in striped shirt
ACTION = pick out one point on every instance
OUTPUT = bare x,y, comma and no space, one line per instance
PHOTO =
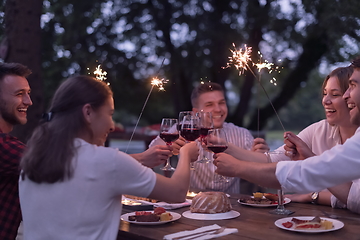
209,97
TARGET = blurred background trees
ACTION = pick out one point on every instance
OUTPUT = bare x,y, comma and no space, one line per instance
131,38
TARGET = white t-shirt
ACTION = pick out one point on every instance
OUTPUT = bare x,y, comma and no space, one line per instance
338,165
203,176
319,137
88,206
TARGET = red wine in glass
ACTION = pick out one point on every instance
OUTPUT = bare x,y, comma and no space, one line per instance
217,148
206,123
217,142
169,137
190,130
204,131
169,133
190,134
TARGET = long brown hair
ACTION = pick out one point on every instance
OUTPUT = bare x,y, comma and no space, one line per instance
342,74
51,146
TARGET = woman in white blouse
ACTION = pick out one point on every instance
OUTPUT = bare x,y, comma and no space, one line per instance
319,137
336,129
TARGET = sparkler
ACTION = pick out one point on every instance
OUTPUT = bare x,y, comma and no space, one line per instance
241,60
100,74
154,82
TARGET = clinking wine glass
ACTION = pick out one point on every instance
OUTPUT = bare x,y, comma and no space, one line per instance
190,130
280,209
216,142
206,124
181,117
169,133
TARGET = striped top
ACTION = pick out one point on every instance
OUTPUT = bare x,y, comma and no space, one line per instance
203,177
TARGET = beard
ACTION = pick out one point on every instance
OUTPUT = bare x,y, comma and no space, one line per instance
355,117
7,115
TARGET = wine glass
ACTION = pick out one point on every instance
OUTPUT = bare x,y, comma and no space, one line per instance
216,142
181,117
168,133
206,124
190,130
280,209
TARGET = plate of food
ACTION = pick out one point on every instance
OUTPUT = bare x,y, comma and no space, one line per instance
156,217
309,224
211,216
262,200
211,206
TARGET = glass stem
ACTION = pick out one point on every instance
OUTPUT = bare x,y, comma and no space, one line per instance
280,199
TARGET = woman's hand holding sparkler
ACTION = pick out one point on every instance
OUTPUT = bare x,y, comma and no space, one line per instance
154,156
260,145
296,148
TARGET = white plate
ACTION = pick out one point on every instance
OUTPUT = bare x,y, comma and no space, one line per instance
125,217
286,201
211,216
337,225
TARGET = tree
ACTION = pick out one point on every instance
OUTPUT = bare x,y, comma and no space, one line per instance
130,38
23,34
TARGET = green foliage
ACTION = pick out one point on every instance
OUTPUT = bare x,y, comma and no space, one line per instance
304,109
130,39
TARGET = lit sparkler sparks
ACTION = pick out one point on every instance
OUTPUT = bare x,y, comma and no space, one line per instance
159,83
154,82
240,59
269,66
100,74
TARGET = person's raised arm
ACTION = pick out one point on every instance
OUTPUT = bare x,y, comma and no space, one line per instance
260,145
246,155
296,148
153,156
174,189
262,174
178,144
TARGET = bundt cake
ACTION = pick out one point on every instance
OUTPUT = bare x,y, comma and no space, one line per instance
210,202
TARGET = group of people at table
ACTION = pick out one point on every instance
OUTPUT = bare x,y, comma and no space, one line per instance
64,184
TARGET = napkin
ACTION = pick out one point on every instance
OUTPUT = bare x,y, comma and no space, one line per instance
199,230
168,206
165,205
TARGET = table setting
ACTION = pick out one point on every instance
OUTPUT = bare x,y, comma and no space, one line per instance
207,232
132,202
251,222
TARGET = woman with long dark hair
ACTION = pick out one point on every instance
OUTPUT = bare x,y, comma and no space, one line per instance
71,186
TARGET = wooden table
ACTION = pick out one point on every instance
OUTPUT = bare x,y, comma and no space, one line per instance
253,223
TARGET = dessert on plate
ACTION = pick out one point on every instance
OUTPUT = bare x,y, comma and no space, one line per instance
159,214
210,202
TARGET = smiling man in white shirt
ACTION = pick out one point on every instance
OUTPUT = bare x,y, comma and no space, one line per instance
336,166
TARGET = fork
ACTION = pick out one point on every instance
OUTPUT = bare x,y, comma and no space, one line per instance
200,234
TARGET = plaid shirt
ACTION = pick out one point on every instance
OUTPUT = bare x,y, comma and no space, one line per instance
11,150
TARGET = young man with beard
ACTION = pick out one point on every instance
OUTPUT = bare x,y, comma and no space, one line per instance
210,97
339,165
14,102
